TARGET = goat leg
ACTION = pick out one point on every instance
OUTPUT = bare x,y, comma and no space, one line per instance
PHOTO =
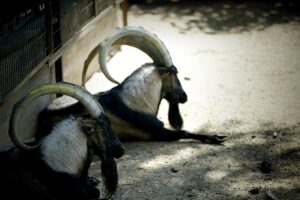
172,135
207,139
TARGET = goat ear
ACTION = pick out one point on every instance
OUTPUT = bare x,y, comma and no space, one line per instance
168,70
164,70
87,126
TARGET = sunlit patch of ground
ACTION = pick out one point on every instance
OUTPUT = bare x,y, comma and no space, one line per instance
240,66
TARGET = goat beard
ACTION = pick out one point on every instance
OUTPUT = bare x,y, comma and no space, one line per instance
109,174
174,116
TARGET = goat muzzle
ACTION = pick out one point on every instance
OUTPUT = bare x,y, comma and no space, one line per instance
118,150
183,98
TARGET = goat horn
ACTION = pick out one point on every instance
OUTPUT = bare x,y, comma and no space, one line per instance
87,62
77,92
136,37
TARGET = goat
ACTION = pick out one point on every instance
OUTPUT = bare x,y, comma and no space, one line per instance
57,166
132,106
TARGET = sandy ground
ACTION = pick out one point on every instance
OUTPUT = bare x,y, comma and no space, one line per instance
240,66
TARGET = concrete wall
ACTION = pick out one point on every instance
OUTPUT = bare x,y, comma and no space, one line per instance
27,127
89,37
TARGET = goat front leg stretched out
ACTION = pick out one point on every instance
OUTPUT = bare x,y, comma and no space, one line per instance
132,125
172,135
208,139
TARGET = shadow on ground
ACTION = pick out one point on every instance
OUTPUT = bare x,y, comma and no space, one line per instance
224,16
249,164
190,170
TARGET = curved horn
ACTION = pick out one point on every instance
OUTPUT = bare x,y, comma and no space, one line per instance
136,37
87,62
77,92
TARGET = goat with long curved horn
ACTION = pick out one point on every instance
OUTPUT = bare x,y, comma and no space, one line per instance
132,106
58,166
150,44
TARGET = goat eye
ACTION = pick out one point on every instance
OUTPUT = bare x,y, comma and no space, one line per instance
168,72
88,130
91,129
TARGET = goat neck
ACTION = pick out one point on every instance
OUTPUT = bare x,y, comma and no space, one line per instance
65,149
141,91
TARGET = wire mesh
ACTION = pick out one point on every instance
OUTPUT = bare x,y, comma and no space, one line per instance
23,46
33,35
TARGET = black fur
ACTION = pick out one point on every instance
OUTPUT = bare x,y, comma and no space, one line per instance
112,102
174,116
110,175
23,175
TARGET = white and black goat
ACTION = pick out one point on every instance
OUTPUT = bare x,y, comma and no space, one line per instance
56,167
132,106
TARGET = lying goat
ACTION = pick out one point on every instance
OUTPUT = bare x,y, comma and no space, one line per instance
57,168
132,106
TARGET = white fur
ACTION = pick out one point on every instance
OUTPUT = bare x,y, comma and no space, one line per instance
143,92
65,148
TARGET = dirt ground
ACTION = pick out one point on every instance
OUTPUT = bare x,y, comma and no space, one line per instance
240,66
